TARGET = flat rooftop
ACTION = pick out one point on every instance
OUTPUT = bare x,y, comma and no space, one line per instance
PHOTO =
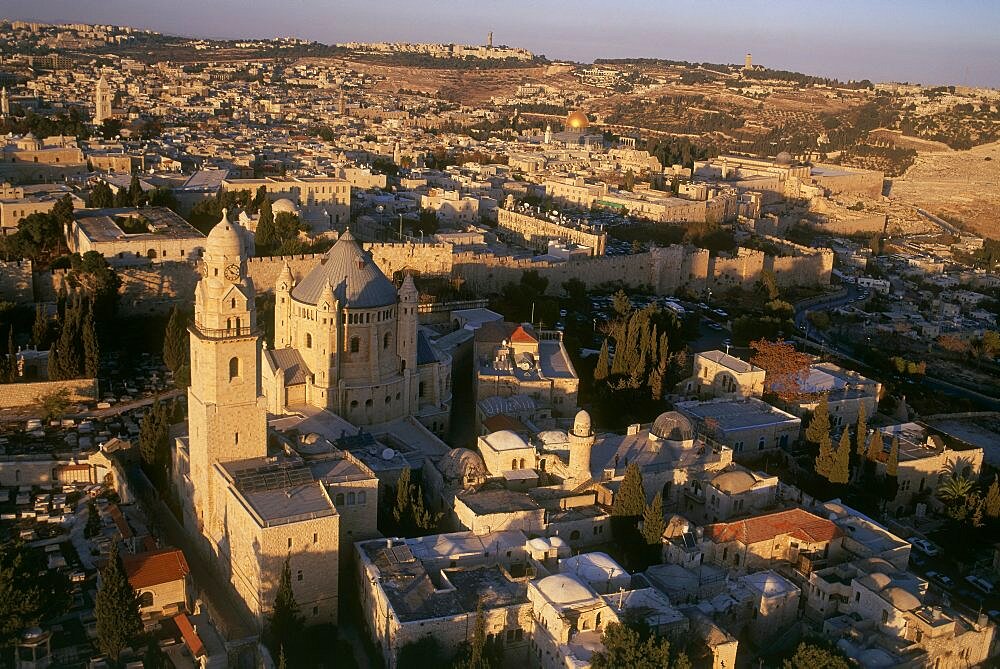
103,225
730,362
738,414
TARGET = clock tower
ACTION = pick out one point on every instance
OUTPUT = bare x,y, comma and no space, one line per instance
226,413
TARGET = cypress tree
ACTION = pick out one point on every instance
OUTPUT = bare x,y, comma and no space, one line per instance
819,426
116,609
265,238
404,497
11,376
631,498
841,470
862,430
875,446
176,347
602,370
652,521
154,443
135,194
892,465
992,502
91,347
825,459
285,622
40,328
101,196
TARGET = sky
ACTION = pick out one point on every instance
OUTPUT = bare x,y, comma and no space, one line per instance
954,42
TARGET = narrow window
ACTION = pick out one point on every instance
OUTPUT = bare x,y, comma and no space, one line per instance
298,575
355,344
234,368
289,542
339,499
309,340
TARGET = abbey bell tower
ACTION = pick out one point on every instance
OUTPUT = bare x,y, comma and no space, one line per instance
226,413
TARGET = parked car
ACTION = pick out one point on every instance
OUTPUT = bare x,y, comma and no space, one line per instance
924,546
980,583
940,579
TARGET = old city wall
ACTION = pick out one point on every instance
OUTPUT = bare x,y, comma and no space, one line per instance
741,270
150,289
875,223
862,182
21,395
16,283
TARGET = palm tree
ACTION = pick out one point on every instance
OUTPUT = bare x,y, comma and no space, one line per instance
955,489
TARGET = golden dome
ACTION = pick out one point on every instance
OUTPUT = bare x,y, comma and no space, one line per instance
577,120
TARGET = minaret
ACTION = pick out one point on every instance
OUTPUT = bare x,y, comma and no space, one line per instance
489,39
581,441
341,106
548,133
748,62
4,102
397,155
226,413
102,101
406,324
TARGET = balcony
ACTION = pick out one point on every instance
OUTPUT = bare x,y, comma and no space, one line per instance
223,333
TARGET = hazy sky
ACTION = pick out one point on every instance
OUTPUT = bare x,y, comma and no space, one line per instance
953,42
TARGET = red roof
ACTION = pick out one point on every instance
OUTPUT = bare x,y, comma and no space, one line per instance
190,637
123,528
797,523
155,567
521,336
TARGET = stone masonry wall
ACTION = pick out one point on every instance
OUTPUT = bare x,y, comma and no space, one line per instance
15,282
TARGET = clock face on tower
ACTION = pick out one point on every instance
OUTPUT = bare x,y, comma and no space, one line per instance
233,273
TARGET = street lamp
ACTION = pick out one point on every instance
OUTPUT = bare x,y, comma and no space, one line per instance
381,222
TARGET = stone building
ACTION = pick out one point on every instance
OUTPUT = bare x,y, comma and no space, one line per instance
751,427
324,202
718,374
131,236
528,228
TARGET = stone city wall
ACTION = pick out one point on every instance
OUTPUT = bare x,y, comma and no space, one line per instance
28,395
847,180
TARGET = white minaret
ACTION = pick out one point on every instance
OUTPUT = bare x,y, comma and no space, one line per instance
397,154
548,133
748,62
4,102
489,39
581,441
102,101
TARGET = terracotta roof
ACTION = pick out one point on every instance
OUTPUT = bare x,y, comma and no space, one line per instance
120,522
521,336
797,523
155,567
190,637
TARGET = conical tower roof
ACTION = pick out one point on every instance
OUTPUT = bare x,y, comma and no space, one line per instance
356,279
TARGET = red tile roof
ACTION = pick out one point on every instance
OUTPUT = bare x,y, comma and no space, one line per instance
190,637
521,336
155,567
120,522
797,523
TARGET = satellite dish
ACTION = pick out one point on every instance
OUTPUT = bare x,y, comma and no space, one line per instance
388,454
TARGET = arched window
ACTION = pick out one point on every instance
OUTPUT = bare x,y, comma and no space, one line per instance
597,620
362,497
354,404
309,340
355,344
351,498
339,499
368,403
234,368
229,323
420,389
513,463
237,325
146,599
574,535
232,303
386,339
586,624
387,399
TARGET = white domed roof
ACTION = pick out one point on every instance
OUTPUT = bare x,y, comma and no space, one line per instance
459,464
285,205
504,440
582,426
877,565
877,581
672,426
565,590
356,279
557,542
224,239
552,437
902,599
592,567
539,544
734,483
784,158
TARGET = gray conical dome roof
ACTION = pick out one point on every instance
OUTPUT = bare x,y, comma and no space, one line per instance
356,279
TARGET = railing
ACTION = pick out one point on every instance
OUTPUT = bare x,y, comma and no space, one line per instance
224,333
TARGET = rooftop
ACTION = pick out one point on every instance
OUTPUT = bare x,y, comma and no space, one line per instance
104,225
730,362
155,567
797,523
737,414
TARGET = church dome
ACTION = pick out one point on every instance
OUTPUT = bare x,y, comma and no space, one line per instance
582,424
224,239
284,205
577,120
784,158
672,426
357,281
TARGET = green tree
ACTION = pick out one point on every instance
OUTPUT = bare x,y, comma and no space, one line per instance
955,489
136,196
116,609
40,328
177,347
861,430
265,238
425,653
652,521
630,500
892,464
54,404
93,526
840,473
813,656
621,303
627,647
602,370
29,592
478,652
819,425
285,622
91,346
154,443
101,196
992,501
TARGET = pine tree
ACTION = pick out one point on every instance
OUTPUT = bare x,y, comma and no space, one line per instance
631,498
91,347
40,328
176,347
93,526
285,622
992,502
116,609
819,426
875,446
602,370
101,196
11,376
841,470
265,238
404,497
652,521
135,194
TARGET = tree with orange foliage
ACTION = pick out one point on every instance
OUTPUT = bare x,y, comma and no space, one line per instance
786,367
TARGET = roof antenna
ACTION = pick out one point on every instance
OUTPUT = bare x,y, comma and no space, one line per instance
532,313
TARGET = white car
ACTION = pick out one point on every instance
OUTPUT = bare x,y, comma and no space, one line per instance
924,546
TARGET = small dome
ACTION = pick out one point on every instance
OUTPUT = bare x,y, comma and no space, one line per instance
505,440
784,158
734,483
224,239
672,426
577,120
565,590
902,599
539,544
284,205
878,581
582,425
460,465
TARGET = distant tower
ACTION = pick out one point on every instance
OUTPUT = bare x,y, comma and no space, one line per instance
397,155
341,107
581,441
4,102
489,39
102,101
548,133
406,339
748,62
